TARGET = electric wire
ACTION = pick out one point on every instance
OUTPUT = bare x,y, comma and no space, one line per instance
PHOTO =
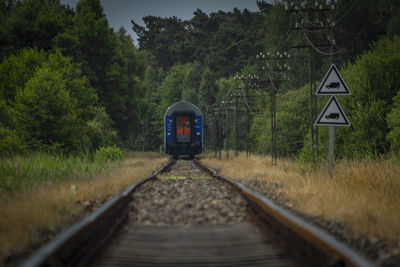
310,22
245,100
271,81
320,51
347,11
355,38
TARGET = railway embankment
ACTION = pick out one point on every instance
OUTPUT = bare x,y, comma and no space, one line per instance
359,205
30,218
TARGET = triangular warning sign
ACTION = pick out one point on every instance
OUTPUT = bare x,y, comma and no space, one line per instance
333,83
332,114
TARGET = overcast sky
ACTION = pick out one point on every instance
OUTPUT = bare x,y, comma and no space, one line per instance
120,12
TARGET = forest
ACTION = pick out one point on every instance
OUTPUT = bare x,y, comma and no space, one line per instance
70,84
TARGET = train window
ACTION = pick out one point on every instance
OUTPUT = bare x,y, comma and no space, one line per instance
187,123
179,124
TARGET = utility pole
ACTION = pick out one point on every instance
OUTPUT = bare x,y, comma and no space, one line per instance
225,111
227,148
310,24
273,67
235,121
213,126
331,141
248,82
220,131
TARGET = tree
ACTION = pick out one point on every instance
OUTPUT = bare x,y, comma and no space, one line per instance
152,126
111,63
55,109
126,103
207,90
32,23
191,82
374,82
17,69
90,42
47,113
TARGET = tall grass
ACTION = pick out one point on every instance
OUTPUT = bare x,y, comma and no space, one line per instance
363,193
25,172
50,191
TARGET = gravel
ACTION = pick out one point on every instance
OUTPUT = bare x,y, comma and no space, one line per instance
380,251
187,196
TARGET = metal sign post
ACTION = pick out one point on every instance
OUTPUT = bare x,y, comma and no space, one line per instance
332,115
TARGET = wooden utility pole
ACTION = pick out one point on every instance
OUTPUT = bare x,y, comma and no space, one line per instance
274,78
235,121
226,132
309,25
331,141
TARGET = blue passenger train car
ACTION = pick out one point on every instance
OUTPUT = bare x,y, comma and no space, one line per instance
183,130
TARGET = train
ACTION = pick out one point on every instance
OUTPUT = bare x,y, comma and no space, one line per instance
183,130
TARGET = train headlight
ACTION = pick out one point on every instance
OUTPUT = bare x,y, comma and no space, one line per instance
198,133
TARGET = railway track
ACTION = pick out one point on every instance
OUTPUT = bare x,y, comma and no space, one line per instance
183,216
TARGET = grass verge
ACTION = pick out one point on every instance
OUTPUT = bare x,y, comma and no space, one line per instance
364,194
45,204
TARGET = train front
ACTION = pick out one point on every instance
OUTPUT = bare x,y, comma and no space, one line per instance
183,130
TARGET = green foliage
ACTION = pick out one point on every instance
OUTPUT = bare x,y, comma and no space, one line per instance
362,23
47,114
222,41
25,172
11,142
90,41
225,87
172,86
393,120
110,62
17,69
292,123
191,83
69,83
28,24
207,89
126,99
393,27
374,81
152,125
100,130
107,154
54,107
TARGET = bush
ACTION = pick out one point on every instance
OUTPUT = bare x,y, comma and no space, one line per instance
393,120
107,154
374,81
29,170
10,142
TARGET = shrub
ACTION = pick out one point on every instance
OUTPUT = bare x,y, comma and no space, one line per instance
10,142
107,154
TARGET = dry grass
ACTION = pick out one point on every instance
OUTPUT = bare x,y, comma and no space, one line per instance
364,194
49,207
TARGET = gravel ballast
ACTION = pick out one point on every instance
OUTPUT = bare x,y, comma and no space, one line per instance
187,196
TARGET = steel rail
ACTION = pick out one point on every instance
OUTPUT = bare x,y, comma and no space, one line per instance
90,233
319,239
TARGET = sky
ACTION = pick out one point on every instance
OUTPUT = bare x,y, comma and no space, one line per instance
120,12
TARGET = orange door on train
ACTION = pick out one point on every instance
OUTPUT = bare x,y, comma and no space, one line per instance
179,122
188,127
183,125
